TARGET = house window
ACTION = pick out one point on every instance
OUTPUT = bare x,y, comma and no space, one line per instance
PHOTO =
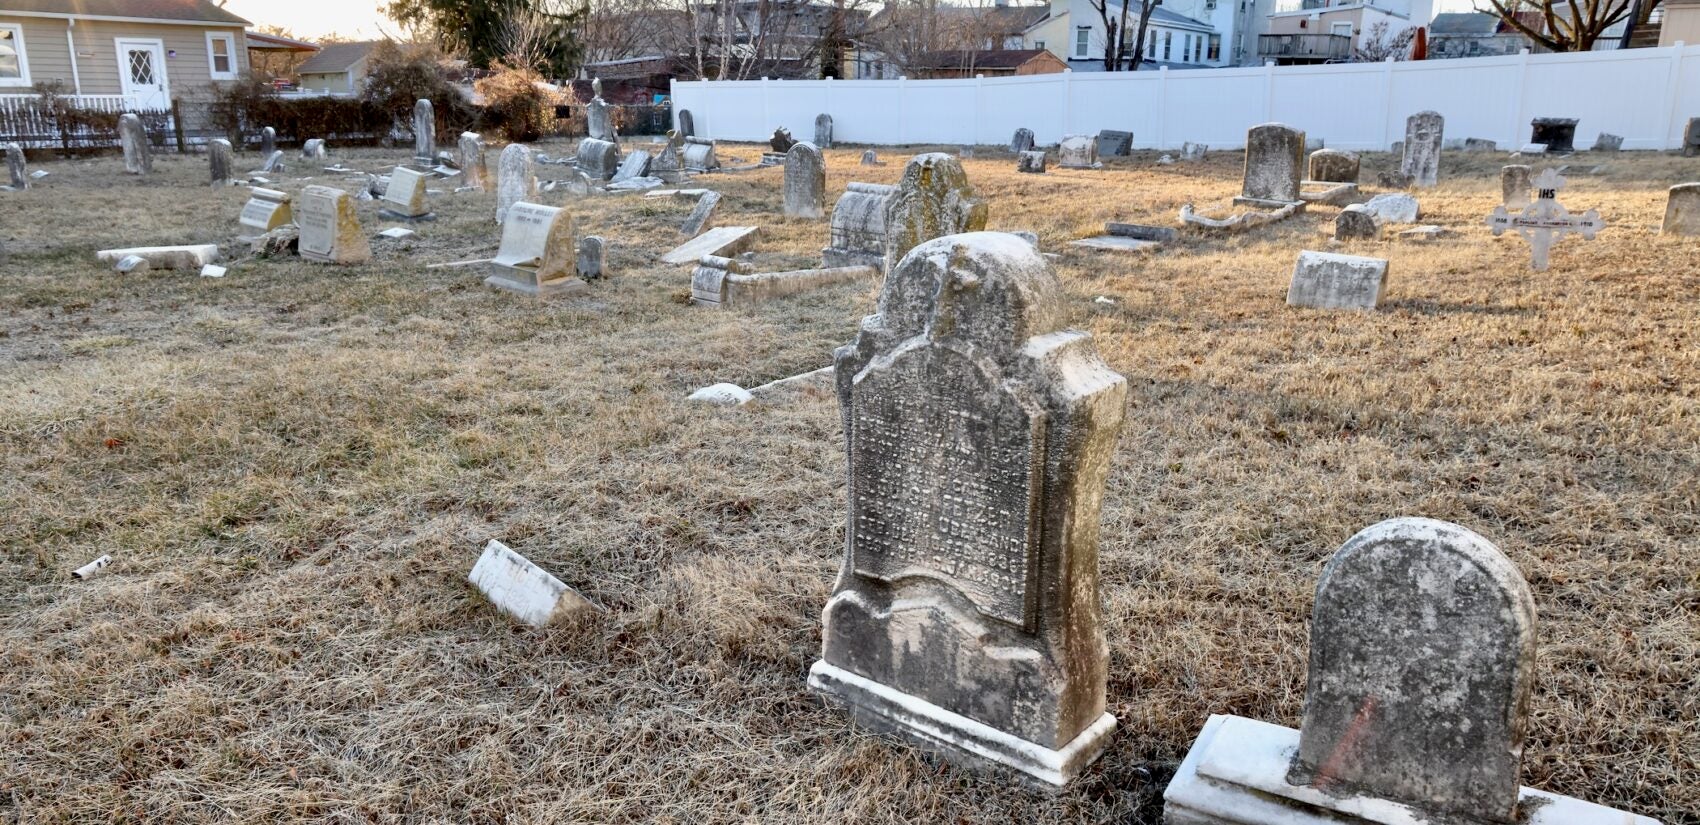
1341,29
1209,5
1168,41
1186,46
1215,48
1198,49
1151,45
14,64
221,56
1039,44
1082,39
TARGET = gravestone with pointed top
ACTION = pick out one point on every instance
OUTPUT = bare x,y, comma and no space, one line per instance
474,168
218,161
933,199
424,133
669,164
1424,134
138,153
805,182
1274,164
330,228
1545,221
963,618
823,131
516,179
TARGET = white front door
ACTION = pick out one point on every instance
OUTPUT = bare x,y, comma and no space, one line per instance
141,71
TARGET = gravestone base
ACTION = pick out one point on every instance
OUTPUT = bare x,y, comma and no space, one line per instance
1236,774
392,215
1262,203
956,738
524,281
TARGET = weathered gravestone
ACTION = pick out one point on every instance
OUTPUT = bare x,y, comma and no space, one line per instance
635,165
273,162
1022,141
1515,181
424,133
1558,134
1112,143
1682,210
1334,166
669,163
805,182
599,117
523,590
725,241
1324,280
314,149
15,168
871,158
1274,164
1480,145
1422,649
1078,152
933,199
473,166
687,123
823,131
964,617
1394,207
266,209
598,159
330,229
1545,222
404,197
590,255
268,141
1031,161
138,153
857,230
218,161
1607,142
781,142
700,215
1193,151
698,155
1691,138
516,179
536,255
1356,222
1423,137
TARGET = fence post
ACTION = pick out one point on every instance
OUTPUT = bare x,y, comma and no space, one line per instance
766,107
1068,102
1386,104
1673,93
902,104
826,108
1269,92
979,99
1162,105
177,125
1517,98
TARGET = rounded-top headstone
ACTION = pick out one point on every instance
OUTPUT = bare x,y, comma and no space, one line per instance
1022,141
1334,166
933,199
1421,661
687,123
805,182
516,179
268,141
1274,162
823,131
424,130
138,154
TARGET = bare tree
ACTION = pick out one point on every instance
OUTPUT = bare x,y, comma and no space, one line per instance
1120,51
1568,25
1374,45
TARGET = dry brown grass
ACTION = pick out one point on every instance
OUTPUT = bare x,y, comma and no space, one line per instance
295,466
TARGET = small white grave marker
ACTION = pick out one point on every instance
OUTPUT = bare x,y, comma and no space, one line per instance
1545,221
93,567
267,209
522,589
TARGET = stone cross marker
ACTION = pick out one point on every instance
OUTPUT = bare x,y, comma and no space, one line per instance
268,141
599,118
516,179
1423,137
1422,648
537,254
266,209
823,131
1022,141
1545,221
138,154
1274,163
975,423
405,196
15,167
1682,210
1515,181
330,229
857,230
424,133
805,182
933,199
473,166
218,161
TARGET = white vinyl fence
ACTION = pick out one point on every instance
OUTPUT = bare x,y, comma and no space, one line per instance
1645,95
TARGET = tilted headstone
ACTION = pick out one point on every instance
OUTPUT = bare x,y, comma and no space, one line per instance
1682,210
268,141
709,277
1394,207
1515,181
635,165
590,256
724,241
266,209
1607,142
405,196
1078,152
669,162
473,166
138,153
314,149
218,161
1691,138
1546,221
823,131
805,182
1324,280
1557,133
698,155
687,123
1112,143
516,179
1334,166
857,231
330,228
1022,141
598,159
1031,162
1193,151
523,590
1480,145
933,199
599,117
700,215
975,424
781,142
1423,138
15,168
537,255
1274,163
424,132
273,162
1356,222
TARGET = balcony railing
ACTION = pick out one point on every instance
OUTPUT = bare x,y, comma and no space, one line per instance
1282,6
1305,46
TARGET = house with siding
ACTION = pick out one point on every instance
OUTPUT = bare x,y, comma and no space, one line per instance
338,69
122,55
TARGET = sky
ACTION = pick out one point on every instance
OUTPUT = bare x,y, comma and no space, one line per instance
315,18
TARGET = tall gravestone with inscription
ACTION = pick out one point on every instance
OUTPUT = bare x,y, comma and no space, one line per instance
424,133
15,168
1424,134
473,167
599,117
219,162
1274,163
805,182
933,199
979,432
516,179
138,154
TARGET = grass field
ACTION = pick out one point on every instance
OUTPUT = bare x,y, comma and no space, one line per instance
295,466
